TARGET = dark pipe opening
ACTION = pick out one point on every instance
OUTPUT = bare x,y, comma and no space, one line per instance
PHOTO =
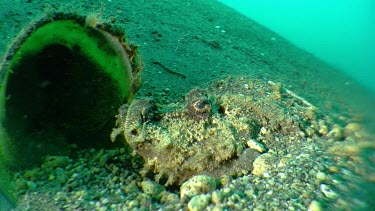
57,98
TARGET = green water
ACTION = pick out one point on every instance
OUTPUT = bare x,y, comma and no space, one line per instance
339,31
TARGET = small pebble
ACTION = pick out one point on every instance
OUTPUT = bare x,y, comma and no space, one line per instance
198,184
321,176
253,144
315,206
337,132
133,204
262,163
216,196
353,127
198,203
152,188
263,130
328,192
323,129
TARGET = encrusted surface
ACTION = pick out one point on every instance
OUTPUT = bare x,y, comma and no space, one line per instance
210,132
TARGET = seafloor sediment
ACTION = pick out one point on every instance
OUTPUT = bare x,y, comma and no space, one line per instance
306,135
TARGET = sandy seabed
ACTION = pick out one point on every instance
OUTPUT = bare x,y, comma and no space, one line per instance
325,162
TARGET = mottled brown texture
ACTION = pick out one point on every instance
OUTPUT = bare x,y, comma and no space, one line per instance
179,144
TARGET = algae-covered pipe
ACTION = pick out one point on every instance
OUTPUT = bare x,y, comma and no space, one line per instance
61,83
